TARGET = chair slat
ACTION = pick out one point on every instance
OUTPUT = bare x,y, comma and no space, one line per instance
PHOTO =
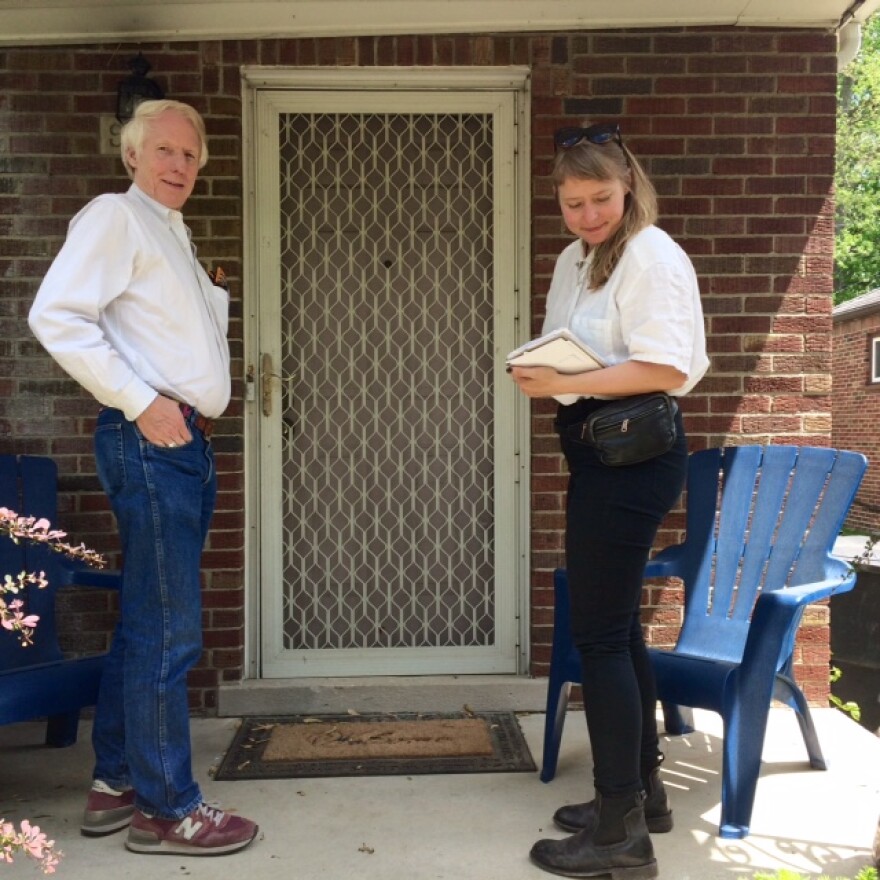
810,477
738,542
772,489
815,556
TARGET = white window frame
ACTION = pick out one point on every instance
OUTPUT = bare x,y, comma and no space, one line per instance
875,360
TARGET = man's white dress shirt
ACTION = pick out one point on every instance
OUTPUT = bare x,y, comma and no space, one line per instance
129,313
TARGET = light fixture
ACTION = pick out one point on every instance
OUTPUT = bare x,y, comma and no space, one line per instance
136,88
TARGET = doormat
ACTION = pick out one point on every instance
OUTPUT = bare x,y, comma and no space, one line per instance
399,744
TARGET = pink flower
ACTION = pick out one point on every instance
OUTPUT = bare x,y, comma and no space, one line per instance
13,618
30,841
33,841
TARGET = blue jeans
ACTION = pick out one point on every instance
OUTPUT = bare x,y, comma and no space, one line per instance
612,517
163,500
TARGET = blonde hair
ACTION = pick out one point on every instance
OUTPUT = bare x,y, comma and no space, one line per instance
609,161
134,131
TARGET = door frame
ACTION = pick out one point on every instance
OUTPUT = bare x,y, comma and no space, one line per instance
508,334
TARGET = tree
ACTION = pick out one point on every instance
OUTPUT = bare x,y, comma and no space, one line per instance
857,178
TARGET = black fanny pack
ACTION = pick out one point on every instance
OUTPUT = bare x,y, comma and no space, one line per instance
629,430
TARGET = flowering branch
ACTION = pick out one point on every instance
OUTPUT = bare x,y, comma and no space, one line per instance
30,841
38,531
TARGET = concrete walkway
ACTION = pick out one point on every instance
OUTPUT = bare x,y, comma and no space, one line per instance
471,827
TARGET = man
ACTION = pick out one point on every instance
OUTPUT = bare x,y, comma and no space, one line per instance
129,313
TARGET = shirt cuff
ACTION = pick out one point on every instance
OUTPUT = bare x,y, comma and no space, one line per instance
136,397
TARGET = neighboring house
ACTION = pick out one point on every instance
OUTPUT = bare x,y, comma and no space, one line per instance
855,616
856,399
378,194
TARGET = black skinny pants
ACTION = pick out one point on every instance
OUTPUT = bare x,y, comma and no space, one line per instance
612,518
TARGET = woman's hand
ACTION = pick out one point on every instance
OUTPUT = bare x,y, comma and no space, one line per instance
539,381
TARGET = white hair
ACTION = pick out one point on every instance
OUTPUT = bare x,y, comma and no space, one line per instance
135,130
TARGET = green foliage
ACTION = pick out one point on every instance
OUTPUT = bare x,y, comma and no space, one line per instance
857,178
849,707
785,874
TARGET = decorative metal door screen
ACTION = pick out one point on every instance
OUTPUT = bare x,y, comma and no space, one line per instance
387,417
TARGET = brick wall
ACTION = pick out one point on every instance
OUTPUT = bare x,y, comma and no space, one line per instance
856,410
736,127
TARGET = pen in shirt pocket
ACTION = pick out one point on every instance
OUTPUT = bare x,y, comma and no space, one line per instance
218,278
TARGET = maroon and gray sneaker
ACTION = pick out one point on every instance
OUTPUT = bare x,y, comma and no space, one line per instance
206,831
107,810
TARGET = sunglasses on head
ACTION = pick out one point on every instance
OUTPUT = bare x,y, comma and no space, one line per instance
566,138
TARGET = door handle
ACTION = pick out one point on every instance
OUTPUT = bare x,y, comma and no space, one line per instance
266,377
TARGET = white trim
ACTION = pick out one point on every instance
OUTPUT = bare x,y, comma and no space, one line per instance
411,79
875,359
251,345
522,332
48,22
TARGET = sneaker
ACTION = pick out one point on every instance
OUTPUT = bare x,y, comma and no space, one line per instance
107,810
206,831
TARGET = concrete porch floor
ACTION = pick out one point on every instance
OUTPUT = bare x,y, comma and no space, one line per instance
471,827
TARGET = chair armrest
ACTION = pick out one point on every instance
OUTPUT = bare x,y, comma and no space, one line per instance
776,614
93,577
804,594
666,563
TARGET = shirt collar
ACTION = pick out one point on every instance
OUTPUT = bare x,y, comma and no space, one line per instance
168,214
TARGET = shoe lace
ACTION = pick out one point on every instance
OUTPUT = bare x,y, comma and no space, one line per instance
211,813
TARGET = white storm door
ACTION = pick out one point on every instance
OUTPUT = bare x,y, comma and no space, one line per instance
388,468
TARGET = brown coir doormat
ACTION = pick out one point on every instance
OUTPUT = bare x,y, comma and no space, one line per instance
376,745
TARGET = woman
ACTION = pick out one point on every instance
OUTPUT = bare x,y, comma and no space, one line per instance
631,294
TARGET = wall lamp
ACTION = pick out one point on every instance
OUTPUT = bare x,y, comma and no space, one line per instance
136,88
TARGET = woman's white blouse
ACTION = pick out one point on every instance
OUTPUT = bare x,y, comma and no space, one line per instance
648,310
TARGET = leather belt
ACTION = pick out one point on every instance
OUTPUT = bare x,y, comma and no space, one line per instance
203,423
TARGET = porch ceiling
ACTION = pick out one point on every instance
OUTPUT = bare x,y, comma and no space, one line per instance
45,22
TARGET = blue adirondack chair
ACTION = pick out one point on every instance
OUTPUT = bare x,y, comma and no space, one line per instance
37,681
761,524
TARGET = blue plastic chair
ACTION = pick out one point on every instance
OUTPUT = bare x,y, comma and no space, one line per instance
761,524
37,681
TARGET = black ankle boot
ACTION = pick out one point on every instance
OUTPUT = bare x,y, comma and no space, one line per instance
658,815
619,845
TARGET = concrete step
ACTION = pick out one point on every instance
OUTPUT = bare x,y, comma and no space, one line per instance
303,696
